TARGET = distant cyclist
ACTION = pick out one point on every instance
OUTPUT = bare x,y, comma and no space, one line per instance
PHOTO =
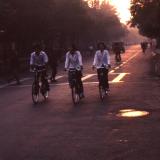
74,61
39,60
117,49
144,46
102,62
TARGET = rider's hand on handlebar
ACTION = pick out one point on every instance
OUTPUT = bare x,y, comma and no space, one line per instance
93,67
65,69
31,68
109,66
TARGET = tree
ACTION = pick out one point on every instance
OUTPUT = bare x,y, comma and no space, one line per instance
145,16
59,21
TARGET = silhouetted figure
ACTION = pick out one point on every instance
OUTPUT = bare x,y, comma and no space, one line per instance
117,51
14,65
74,61
144,46
53,64
102,64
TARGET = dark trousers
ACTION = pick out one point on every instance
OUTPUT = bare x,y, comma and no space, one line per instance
54,72
103,81
43,79
78,77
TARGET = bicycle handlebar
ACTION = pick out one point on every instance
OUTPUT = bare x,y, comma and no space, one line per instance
38,69
35,70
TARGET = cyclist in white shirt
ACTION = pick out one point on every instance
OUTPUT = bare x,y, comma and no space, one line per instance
102,62
39,60
74,61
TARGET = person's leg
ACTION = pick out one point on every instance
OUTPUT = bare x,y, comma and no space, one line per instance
119,55
16,76
99,77
45,80
9,75
79,78
106,82
70,79
54,72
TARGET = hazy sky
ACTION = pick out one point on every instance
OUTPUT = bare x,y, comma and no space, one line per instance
122,7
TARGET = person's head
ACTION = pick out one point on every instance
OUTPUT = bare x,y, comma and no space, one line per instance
37,48
73,48
101,46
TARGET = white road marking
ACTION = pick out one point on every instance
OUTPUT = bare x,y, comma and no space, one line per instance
58,77
119,77
64,84
118,73
116,68
125,62
112,71
3,86
88,76
14,82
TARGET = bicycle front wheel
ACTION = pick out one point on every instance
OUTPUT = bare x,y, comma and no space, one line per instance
44,91
101,93
75,96
46,95
35,93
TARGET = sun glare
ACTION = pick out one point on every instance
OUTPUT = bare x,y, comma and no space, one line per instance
122,7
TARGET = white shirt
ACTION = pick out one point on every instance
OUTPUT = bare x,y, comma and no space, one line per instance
39,60
101,58
73,61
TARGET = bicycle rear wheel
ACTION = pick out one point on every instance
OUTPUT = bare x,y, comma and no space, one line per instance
75,96
35,93
101,93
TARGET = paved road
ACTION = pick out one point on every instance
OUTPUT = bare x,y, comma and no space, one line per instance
93,130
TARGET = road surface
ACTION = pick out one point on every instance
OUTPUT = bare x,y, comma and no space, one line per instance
93,130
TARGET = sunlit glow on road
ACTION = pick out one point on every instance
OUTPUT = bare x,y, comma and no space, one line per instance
132,113
122,7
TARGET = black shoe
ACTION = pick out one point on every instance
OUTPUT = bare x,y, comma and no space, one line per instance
81,95
107,89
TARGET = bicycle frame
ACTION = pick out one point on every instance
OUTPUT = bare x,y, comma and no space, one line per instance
74,86
102,85
102,78
72,80
38,86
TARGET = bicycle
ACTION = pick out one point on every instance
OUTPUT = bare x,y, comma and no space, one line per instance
118,58
102,83
37,86
74,85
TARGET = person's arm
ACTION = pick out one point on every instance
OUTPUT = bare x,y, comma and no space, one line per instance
31,61
95,60
66,61
80,58
108,59
45,58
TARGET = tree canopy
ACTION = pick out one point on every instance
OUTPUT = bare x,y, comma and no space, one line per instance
145,16
69,20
